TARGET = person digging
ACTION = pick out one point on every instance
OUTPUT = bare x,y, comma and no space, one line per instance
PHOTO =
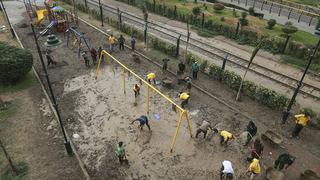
252,131
284,161
301,121
151,77
225,136
136,90
205,126
184,96
226,171
254,168
121,153
49,58
143,120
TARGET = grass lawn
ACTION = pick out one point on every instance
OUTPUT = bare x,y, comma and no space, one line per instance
298,62
24,83
255,23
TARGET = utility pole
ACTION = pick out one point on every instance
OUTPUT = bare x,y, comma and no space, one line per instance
287,111
5,13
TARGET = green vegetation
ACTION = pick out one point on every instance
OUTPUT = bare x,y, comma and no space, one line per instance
15,63
307,2
297,62
22,170
271,23
23,83
8,110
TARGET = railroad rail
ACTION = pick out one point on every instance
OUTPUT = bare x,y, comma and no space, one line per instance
208,50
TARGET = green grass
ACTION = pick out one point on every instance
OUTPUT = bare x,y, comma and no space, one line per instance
255,23
22,169
298,62
24,83
9,111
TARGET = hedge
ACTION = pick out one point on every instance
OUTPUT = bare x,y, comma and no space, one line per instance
259,93
15,63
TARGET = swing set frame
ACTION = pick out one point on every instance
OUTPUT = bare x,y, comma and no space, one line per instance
79,39
182,112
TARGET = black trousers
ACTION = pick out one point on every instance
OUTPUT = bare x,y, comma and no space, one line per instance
184,103
147,124
278,165
201,131
121,46
132,46
195,74
297,129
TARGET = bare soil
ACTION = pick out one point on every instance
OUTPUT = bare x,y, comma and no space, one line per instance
32,135
99,111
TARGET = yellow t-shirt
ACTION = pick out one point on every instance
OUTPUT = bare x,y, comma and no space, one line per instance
151,76
111,40
184,96
301,119
254,166
226,135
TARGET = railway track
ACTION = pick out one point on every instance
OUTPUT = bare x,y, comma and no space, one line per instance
208,50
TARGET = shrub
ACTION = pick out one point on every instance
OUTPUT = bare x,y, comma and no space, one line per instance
243,22
222,19
15,63
251,11
203,65
234,12
218,7
271,23
288,28
244,15
196,11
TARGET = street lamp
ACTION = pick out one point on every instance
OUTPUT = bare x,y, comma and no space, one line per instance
287,111
5,13
52,41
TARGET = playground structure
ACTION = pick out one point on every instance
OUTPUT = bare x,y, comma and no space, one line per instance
77,38
182,112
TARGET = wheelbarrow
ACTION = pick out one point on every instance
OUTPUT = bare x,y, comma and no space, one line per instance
274,174
166,82
272,137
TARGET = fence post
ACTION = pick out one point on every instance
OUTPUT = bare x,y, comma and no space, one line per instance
145,28
290,13
286,43
246,3
101,14
238,1
224,60
280,10
178,46
254,3
175,12
85,4
262,5
237,30
310,20
154,5
271,7
118,13
202,22
300,16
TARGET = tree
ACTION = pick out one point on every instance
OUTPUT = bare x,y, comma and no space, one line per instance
196,11
243,21
15,63
218,7
271,23
289,29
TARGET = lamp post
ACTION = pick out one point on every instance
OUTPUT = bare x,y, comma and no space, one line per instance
287,111
55,105
5,13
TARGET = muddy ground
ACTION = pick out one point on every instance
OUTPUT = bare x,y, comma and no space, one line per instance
99,111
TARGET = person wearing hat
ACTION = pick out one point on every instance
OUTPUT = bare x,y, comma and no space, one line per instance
195,69
301,121
284,160
184,96
151,77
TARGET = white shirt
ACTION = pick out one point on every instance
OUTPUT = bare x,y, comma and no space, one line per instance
227,167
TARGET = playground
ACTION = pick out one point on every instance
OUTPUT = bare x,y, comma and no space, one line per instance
99,108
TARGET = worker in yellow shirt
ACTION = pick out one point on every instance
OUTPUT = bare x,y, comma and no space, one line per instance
111,41
254,168
301,121
151,77
184,96
225,136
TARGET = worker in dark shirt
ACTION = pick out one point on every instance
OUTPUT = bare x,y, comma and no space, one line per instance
182,67
252,131
165,64
143,121
284,159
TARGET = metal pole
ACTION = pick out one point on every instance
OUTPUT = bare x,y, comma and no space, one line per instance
55,105
188,121
287,111
177,131
13,168
224,61
101,13
178,46
188,37
5,13
148,100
